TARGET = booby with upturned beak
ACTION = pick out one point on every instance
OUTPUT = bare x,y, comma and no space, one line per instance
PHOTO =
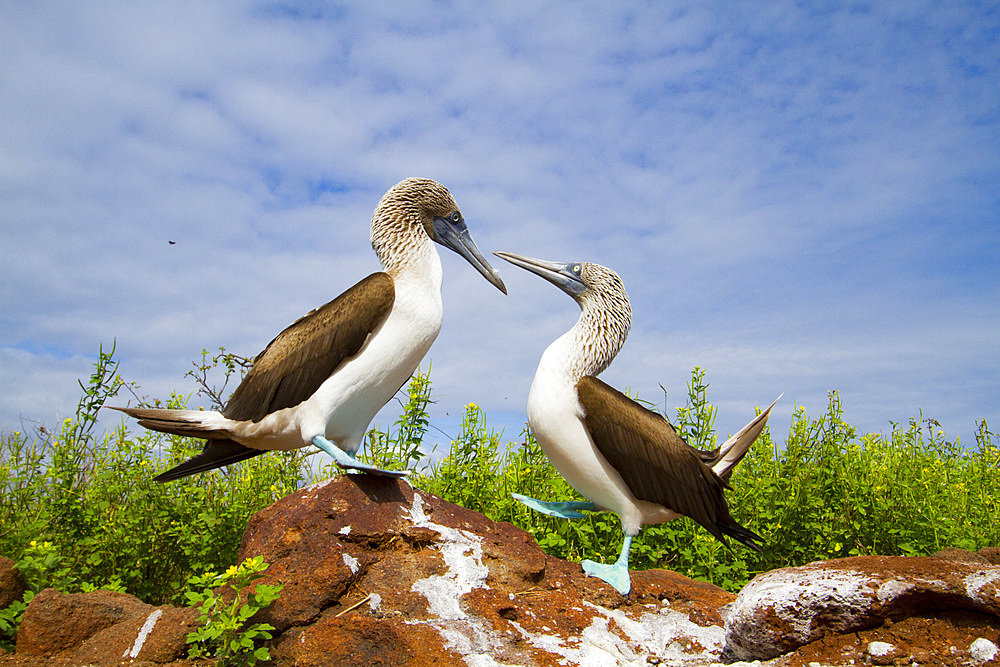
624,458
322,380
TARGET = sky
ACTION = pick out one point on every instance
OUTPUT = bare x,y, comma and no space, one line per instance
800,197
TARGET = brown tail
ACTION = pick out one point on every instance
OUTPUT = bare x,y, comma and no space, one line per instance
188,423
219,450
217,453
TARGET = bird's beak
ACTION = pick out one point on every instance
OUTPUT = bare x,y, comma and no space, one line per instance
455,235
565,276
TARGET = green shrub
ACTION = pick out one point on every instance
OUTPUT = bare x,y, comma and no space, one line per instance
107,523
78,511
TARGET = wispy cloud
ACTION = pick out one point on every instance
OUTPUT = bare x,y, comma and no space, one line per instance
798,199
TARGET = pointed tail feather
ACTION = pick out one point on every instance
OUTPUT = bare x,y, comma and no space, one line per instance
217,453
219,449
188,423
735,448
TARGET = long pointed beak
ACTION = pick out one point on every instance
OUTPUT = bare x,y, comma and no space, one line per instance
565,276
455,236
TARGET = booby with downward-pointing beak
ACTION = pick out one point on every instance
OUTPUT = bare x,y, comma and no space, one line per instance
322,380
624,458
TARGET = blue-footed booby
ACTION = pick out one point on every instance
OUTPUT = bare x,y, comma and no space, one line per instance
322,380
622,457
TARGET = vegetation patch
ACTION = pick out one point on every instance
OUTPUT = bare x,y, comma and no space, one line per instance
80,511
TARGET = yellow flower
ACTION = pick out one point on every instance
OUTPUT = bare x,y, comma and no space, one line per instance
273,488
231,570
32,543
67,420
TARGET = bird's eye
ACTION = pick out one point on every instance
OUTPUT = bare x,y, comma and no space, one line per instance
456,216
576,269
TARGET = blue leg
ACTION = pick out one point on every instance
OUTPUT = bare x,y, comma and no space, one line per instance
617,574
345,460
568,509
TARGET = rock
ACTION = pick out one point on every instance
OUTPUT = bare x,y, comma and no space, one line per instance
882,653
991,554
12,584
102,627
983,650
440,584
962,556
378,573
784,609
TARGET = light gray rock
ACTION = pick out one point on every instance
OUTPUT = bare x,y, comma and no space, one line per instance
784,609
882,653
983,650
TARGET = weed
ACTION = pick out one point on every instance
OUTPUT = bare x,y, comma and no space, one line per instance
80,511
225,633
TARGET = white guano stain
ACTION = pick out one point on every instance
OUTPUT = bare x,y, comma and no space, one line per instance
462,551
614,638
144,631
879,649
351,562
310,491
976,583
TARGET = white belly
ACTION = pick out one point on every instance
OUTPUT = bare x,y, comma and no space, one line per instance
556,419
344,405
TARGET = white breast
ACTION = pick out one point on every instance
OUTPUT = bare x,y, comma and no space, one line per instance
359,389
556,419
344,405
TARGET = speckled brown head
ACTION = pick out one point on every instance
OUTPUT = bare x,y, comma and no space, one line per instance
417,209
606,313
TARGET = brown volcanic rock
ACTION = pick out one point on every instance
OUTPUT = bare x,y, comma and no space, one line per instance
781,610
55,622
159,637
441,584
12,584
362,641
377,573
102,627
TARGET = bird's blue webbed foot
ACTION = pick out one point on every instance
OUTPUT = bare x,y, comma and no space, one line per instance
617,574
345,460
567,509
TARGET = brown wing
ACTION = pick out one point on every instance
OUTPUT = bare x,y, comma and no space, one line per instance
655,462
293,365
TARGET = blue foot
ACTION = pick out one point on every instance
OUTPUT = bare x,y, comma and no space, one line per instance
568,509
617,575
345,460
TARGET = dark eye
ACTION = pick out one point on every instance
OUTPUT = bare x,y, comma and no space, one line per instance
456,216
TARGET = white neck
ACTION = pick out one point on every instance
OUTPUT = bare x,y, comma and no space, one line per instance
587,348
418,268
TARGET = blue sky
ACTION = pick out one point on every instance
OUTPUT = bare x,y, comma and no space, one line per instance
800,197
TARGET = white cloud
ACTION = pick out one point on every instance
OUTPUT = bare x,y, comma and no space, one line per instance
798,200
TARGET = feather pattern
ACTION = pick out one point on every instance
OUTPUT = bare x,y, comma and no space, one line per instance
654,461
618,454
293,365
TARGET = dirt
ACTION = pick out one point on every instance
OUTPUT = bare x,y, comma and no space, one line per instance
938,639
